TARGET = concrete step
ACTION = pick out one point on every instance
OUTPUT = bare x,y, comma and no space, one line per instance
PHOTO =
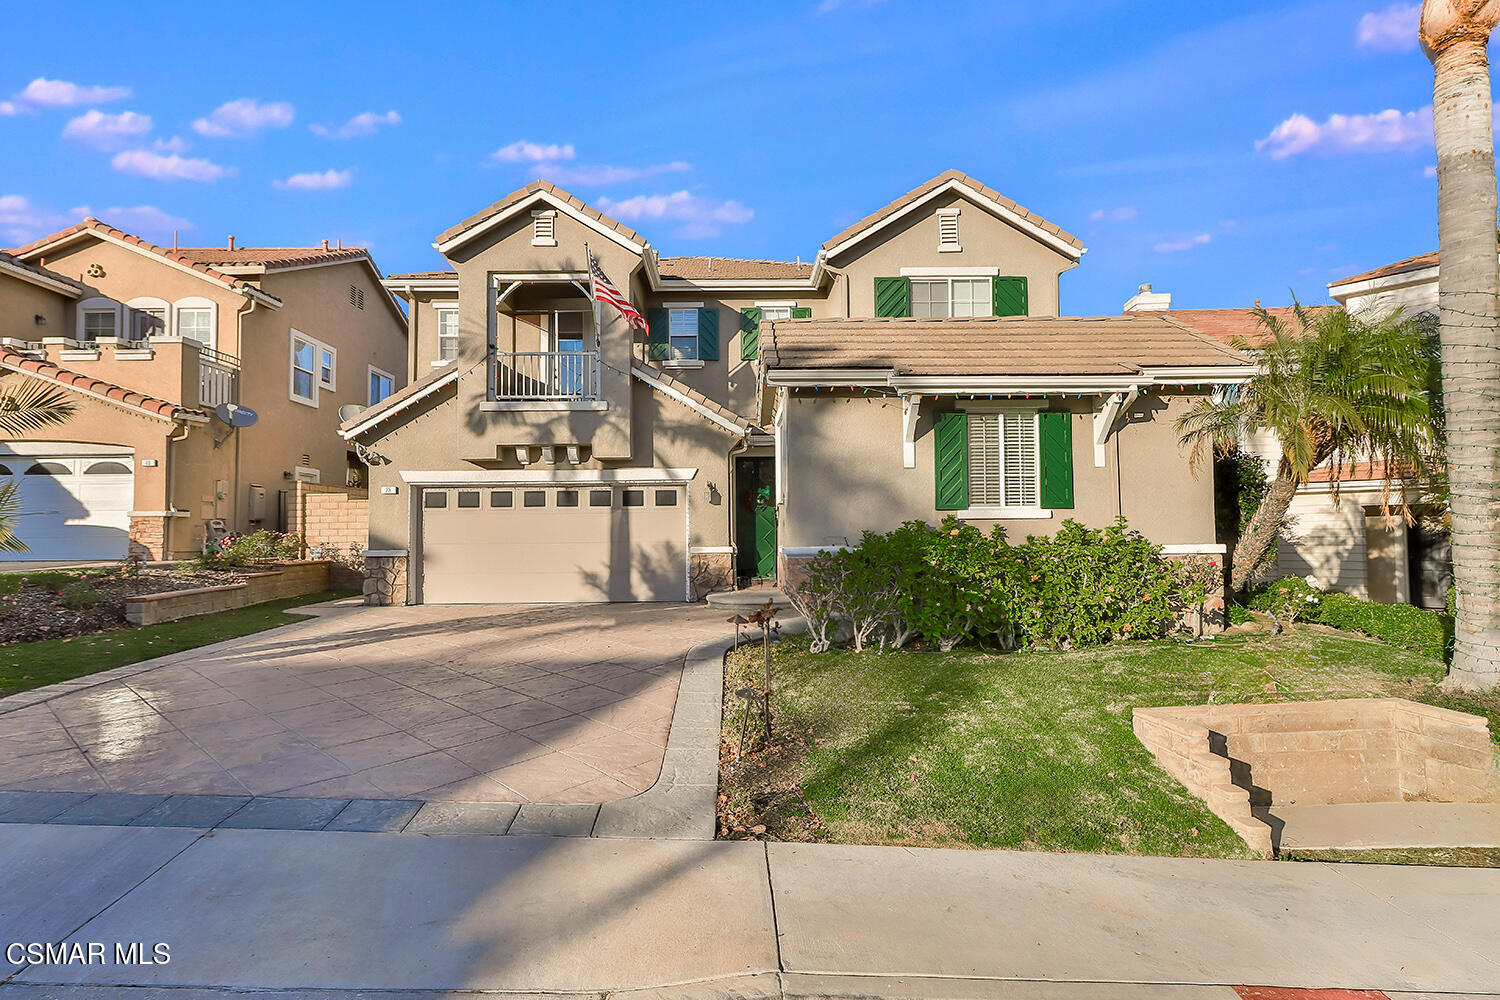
748,600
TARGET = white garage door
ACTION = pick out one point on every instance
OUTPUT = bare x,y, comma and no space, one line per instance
550,544
73,506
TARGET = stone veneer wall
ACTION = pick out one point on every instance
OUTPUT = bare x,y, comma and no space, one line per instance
385,578
1236,757
148,538
290,580
334,520
711,571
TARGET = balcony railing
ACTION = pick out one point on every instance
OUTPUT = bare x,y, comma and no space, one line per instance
218,377
564,375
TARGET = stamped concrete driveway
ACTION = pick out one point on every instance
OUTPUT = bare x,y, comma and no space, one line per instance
503,704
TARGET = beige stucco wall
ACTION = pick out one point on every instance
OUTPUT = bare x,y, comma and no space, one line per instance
845,473
21,302
987,241
422,311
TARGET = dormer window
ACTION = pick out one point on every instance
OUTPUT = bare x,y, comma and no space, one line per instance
948,230
544,228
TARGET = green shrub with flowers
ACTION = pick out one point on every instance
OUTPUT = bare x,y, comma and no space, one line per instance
256,548
1078,588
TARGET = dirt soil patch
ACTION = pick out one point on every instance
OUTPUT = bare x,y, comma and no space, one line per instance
58,604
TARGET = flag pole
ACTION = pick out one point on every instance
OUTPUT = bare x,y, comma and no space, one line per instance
588,259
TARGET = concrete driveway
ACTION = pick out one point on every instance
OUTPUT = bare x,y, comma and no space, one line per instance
552,704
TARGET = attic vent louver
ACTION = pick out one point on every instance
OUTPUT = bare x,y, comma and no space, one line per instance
544,228
948,230
356,296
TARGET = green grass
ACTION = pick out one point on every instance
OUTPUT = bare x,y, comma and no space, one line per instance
28,665
1029,750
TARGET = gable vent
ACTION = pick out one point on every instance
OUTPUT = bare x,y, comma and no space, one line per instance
948,230
356,296
544,228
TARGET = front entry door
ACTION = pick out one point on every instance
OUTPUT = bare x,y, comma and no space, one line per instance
756,517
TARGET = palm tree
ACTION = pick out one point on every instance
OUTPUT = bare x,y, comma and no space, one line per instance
24,407
1454,35
1333,390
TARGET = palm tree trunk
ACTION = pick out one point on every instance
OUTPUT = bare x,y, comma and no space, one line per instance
1468,305
1261,533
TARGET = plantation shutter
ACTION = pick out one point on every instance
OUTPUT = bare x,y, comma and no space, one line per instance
892,297
708,334
951,460
801,312
657,342
1009,296
750,333
1055,430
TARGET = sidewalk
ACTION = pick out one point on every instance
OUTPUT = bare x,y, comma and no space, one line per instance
291,910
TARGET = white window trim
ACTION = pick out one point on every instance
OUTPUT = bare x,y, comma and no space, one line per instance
333,368
291,368
537,239
372,370
1001,512
779,304
437,312
96,304
196,302
955,246
949,277
141,304
669,361
950,272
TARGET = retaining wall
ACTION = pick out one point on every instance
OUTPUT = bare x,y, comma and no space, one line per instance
290,580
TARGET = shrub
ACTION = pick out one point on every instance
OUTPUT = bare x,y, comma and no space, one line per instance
78,596
1398,624
248,550
967,586
1287,600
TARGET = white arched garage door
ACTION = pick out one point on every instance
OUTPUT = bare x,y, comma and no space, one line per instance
75,504
550,542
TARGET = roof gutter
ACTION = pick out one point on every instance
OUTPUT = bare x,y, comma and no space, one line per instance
1009,384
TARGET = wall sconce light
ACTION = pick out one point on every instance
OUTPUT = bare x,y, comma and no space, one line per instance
713,493
39,319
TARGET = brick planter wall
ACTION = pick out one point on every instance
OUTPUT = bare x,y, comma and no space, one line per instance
290,580
335,521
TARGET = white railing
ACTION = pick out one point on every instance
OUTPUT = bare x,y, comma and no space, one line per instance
218,377
547,375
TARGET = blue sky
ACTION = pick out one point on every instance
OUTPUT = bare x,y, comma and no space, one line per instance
1224,151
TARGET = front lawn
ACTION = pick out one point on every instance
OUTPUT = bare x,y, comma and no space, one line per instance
1030,750
34,664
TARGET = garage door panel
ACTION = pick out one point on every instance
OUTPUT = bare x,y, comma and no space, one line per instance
70,512
554,554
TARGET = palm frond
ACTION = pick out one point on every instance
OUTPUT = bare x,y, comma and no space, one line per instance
10,510
27,406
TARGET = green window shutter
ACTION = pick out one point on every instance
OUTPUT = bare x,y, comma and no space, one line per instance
750,333
892,297
708,334
951,460
1010,296
1055,435
657,343
801,312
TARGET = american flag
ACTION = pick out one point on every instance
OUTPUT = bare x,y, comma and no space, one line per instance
606,292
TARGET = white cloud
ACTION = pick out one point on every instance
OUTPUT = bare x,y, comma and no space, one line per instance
149,221
1429,172
1122,214
21,222
602,174
169,167
364,123
522,151
700,217
244,117
1177,246
97,128
1392,29
45,93
327,180
1385,130
176,144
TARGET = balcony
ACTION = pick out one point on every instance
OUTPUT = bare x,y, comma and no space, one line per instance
218,377
561,376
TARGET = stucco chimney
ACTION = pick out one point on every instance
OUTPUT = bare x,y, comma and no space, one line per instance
231,242
325,244
1145,300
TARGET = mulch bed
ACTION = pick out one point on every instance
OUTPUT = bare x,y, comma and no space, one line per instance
37,609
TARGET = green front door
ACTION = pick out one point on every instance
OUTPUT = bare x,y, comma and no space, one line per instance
756,515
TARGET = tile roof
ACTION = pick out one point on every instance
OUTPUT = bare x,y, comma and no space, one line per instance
15,361
1417,263
730,268
1224,325
91,224
408,393
698,400
12,261
1350,473
521,194
952,175
269,256
421,275
1019,345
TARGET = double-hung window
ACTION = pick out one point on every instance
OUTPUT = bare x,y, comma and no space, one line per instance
943,297
381,384
150,323
1004,460
304,382
98,323
196,324
682,334
447,327
327,368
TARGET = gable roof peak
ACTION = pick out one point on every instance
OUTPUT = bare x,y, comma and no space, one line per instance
503,208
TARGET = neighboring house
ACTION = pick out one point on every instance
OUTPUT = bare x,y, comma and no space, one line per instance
148,341
1350,545
914,367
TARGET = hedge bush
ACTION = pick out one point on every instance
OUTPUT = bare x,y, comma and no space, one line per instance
1401,625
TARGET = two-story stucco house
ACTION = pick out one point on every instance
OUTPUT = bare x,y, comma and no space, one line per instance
914,367
148,341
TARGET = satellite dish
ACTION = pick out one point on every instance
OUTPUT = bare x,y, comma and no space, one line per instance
349,411
236,415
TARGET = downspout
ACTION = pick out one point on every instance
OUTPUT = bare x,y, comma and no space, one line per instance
171,503
234,480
